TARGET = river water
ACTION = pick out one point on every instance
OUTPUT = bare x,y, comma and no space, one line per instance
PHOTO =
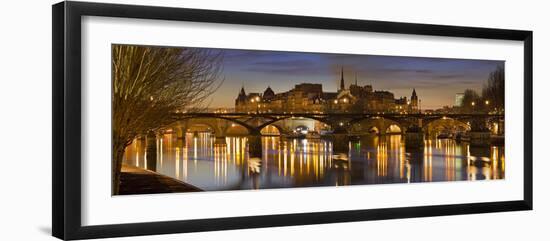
203,162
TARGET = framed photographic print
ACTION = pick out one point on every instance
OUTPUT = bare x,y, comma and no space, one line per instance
170,120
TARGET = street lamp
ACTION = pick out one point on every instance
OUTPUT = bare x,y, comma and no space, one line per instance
486,102
473,103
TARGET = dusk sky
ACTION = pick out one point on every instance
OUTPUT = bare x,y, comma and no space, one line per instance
436,80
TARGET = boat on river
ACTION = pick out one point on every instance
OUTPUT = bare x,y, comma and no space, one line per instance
479,161
445,136
340,160
462,137
313,135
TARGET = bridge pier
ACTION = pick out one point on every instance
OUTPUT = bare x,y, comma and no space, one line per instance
340,143
220,140
151,156
480,135
501,127
255,146
181,133
414,138
480,138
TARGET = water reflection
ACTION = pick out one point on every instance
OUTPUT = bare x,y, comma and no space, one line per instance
203,162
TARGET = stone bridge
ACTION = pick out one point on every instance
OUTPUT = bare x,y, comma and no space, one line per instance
339,126
228,124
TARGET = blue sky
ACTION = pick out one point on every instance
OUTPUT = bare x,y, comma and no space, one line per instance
436,80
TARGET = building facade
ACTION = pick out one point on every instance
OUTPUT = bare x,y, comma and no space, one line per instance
310,98
458,99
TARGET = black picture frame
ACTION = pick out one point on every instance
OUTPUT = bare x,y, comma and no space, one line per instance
67,136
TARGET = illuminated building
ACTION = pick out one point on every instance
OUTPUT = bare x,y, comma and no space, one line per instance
310,98
458,99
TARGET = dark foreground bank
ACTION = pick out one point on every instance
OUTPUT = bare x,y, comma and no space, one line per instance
135,180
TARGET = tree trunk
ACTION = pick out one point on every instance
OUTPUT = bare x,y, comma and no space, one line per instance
116,166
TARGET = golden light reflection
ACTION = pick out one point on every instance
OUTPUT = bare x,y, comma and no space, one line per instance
494,161
309,162
145,159
137,158
161,156
401,153
468,163
293,156
428,154
185,158
382,159
159,150
285,159
449,148
177,162
195,150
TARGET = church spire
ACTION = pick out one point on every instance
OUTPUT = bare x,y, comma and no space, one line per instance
355,78
342,86
242,93
414,101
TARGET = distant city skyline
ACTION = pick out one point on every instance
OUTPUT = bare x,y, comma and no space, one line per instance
436,80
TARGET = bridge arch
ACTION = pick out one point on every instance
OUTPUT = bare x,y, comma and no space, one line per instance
376,125
221,127
394,129
236,130
445,124
272,129
180,128
374,130
283,126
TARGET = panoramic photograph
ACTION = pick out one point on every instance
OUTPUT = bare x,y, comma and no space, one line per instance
188,119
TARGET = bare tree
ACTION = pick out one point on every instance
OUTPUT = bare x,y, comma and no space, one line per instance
471,101
493,90
150,84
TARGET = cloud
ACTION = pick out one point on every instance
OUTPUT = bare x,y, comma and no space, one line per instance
283,63
283,71
413,71
449,76
435,78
